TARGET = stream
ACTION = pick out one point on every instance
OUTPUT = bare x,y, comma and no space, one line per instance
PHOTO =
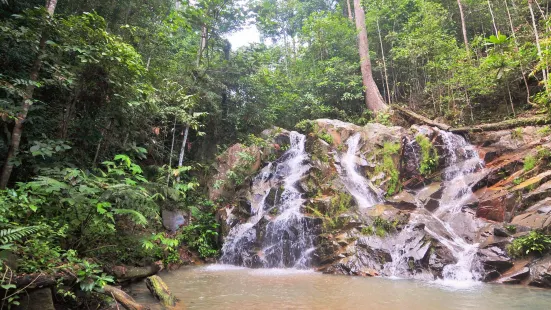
230,287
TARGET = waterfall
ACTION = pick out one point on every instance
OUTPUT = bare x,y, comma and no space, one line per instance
288,238
462,161
357,185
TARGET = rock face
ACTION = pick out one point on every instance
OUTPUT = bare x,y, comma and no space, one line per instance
377,200
173,220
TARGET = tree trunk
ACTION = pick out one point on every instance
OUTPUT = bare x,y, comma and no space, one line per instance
493,18
384,63
203,44
160,291
183,149
25,106
540,54
373,98
463,27
349,10
171,151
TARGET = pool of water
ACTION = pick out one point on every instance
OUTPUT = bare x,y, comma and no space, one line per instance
228,287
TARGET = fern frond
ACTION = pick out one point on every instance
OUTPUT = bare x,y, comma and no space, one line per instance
10,235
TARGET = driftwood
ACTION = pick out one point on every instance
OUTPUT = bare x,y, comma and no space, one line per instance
124,299
125,273
508,124
160,291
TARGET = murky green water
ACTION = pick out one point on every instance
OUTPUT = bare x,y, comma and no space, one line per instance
223,287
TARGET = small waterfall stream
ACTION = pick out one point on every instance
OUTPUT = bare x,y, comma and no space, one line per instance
357,185
462,161
288,237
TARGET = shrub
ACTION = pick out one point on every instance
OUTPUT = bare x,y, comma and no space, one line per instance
534,242
529,163
429,155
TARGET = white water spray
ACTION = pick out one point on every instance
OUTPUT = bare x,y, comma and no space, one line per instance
357,185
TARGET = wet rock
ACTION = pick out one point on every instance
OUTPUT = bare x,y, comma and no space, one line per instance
173,220
403,201
538,218
501,232
542,192
495,261
515,277
540,273
40,299
494,204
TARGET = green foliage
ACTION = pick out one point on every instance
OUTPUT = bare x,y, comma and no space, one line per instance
10,235
242,170
330,214
516,134
326,137
380,227
511,228
534,242
529,163
254,140
89,204
306,126
202,234
429,155
544,131
388,167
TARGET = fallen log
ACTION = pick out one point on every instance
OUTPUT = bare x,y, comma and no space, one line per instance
126,273
420,118
508,124
124,299
160,291
39,280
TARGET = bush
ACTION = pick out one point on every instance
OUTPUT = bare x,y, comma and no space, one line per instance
429,155
534,242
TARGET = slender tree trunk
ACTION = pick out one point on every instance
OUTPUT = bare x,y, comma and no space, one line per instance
203,44
384,62
463,27
171,150
513,32
183,148
349,10
25,106
373,98
493,18
540,54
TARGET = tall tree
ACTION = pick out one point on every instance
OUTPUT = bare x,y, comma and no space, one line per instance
463,26
373,98
26,104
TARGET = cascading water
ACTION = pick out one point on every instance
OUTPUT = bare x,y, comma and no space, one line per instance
462,161
357,185
288,239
